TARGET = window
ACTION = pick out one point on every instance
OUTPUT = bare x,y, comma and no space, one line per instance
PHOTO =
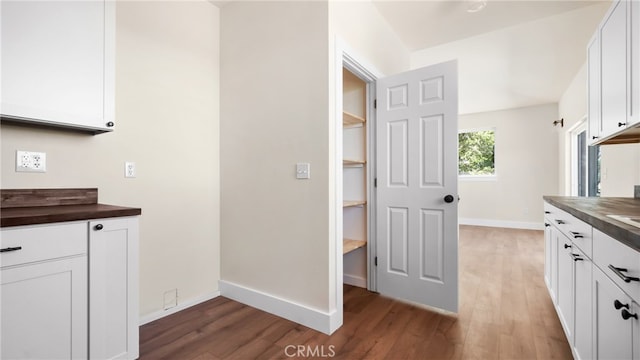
585,163
476,153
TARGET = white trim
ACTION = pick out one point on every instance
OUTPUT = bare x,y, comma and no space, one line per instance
301,314
183,306
346,57
354,280
502,223
572,143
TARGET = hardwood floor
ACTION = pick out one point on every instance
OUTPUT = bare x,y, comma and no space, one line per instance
505,313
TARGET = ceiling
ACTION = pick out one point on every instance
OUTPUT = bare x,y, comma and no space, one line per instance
421,24
511,54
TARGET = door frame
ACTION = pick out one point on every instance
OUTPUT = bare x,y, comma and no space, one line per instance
346,57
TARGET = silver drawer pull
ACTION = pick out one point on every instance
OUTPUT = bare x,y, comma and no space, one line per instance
11,249
619,271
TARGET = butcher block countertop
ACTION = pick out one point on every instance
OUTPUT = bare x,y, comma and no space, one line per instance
44,206
594,211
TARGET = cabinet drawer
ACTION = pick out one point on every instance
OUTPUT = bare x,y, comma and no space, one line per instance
37,243
575,229
609,253
550,212
579,232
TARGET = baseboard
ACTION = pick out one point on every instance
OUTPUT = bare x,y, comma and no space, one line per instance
502,223
354,280
301,314
182,306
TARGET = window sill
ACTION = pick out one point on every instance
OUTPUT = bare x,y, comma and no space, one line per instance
477,177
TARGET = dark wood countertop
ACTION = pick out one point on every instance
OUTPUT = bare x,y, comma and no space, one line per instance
594,211
50,214
44,206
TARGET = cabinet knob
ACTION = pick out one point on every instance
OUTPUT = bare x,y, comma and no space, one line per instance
547,212
621,124
594,137
110,124
576,235
559,222
98,227
576,257
547,224
627,315
566,246
618,305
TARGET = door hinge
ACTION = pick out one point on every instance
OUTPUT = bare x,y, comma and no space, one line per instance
375,103
375,182
375,261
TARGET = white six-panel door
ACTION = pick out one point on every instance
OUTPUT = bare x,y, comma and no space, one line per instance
417,167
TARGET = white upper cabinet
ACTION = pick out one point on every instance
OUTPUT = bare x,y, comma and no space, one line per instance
613,64
614,76
593,70
58,63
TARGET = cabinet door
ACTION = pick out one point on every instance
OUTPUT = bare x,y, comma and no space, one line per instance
565,302
44,310
634,95
593,72
547,253
57,62
113,288
553,268
612,334
614,60
582,336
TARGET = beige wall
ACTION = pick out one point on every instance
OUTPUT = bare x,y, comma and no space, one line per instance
620,164
274,96
364,30
572,107
526,167
167,119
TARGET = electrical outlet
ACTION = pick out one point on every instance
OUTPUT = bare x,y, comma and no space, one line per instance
170,299
31,161
129,169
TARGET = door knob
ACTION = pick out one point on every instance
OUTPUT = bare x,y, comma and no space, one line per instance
448,199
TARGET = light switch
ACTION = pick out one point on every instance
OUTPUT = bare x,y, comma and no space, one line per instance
303,171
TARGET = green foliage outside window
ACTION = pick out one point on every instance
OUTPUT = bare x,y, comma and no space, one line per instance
476,153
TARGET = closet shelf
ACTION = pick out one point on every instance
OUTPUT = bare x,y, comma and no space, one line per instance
346,162
352,203
349,119
348,245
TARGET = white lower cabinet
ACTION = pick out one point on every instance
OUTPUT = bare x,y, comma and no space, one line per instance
113,289
565,294
582,322
44,292
615,320
593,282
69,295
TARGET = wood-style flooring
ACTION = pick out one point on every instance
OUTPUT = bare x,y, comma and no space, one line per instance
505,313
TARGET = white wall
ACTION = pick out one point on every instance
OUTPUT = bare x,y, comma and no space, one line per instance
364,30
522,65
274,96
526,168
167,76
620,164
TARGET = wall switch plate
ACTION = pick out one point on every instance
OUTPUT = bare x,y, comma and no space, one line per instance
303,171
31,161
129,169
